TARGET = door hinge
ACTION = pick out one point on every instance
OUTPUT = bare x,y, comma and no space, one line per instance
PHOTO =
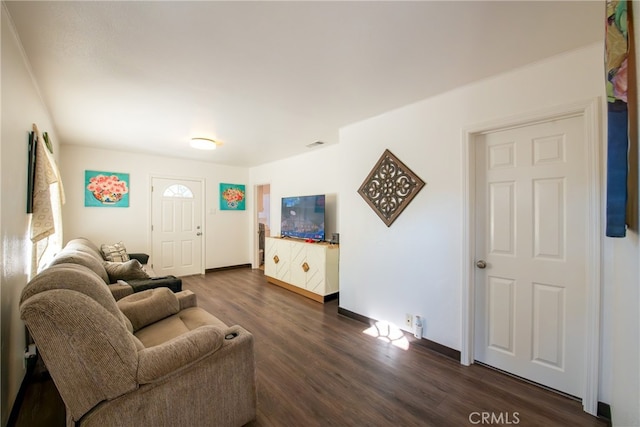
152,228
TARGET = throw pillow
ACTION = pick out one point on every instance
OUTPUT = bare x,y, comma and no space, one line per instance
114,253
129,270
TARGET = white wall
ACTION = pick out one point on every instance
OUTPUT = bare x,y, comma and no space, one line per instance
623,283
624,330
21,107
227,233
311,173
414,265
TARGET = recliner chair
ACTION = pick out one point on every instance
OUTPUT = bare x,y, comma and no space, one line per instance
151,359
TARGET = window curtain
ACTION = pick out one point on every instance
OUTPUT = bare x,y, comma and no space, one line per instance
48,197
620,72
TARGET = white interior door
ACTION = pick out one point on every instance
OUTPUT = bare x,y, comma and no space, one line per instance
176,227
531,207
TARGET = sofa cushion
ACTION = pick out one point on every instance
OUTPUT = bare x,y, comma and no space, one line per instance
71,256
115,252
160,360
120,290
144,308
129,270
176,325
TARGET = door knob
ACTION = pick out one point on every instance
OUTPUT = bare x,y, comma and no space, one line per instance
198,234
481,263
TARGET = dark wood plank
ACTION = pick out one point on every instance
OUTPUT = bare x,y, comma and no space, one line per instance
317,368
42,405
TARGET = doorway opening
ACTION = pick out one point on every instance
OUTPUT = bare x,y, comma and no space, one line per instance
262,221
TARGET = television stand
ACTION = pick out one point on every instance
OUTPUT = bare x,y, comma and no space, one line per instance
308,269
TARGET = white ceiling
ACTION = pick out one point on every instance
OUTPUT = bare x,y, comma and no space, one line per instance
268,78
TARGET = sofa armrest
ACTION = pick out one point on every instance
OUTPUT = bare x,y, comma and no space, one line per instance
120,289
158,361
187,299
146,307
142,258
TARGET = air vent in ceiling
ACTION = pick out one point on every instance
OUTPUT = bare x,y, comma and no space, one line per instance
314,144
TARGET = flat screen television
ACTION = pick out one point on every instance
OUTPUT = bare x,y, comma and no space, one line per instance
303,217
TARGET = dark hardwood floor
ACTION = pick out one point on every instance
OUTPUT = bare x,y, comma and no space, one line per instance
317,368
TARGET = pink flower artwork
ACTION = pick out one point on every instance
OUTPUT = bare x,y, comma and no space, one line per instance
106,189
232,197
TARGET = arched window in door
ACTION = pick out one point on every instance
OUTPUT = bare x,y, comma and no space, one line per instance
178,190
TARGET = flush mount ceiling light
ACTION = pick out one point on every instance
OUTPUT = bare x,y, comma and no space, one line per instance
204,143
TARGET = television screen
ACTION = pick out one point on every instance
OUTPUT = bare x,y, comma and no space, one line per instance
303,217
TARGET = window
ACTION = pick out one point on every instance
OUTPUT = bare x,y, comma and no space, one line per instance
178,190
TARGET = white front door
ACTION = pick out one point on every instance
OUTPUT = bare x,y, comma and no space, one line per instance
176,227
531,206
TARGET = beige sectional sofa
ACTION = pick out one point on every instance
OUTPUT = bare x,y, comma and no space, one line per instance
152,358
123,278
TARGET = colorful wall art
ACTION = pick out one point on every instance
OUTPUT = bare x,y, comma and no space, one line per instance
622,174
106,189
232,197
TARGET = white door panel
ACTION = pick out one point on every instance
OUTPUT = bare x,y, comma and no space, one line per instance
176,217
531,204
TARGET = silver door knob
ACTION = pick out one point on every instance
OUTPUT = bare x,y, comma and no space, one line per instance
481,264
198,234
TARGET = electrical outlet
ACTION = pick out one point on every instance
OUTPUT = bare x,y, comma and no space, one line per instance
408,320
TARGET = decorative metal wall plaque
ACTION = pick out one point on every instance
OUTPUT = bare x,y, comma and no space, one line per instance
390,187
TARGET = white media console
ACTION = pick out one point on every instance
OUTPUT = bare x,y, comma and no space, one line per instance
309,269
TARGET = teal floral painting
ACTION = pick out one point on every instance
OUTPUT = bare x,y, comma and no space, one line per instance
232,197
106,189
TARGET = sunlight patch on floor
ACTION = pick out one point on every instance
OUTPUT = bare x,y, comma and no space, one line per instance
388,332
